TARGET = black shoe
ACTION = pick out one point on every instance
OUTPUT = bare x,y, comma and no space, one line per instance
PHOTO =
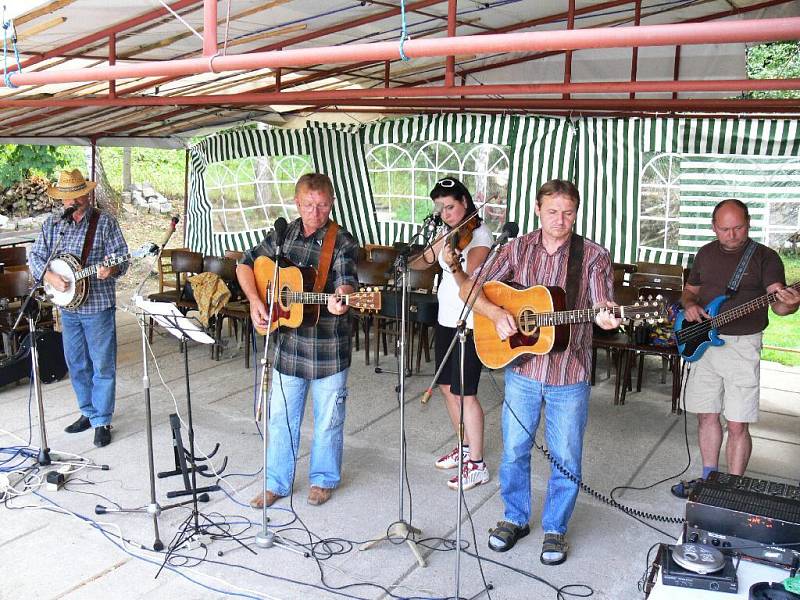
503,537
102,436
82,424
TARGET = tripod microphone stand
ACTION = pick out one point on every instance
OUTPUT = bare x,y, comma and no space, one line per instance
401,528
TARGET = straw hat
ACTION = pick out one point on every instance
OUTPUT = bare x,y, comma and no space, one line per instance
71,184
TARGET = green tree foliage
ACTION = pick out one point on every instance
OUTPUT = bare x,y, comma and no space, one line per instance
776,60
20,162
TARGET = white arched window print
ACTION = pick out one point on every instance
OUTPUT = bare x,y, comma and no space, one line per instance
250,193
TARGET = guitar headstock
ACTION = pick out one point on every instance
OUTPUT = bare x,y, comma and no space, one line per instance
366,300
650,309
144,250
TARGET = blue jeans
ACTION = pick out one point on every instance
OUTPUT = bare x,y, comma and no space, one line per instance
286,407
90,349
565,411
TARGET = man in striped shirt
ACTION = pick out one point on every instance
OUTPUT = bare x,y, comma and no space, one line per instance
559,380
315,357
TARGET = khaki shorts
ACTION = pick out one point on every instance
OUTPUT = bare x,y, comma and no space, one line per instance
726,379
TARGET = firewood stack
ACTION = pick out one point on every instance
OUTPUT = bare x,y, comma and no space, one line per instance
26,198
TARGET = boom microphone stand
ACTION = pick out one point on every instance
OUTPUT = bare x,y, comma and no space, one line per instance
510,230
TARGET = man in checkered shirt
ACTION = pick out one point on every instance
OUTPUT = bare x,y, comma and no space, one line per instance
315,357
89,331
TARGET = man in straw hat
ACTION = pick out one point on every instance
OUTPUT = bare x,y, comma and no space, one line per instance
89,331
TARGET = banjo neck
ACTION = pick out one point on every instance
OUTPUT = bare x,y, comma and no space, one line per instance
109,262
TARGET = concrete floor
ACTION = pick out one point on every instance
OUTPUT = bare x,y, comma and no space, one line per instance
58,551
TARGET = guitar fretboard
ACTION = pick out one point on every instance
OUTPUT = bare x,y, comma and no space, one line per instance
289,297
566,317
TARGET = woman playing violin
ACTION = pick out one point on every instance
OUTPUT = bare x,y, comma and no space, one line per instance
459,253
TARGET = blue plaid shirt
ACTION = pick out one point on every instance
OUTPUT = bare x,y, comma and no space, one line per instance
325,348
108,241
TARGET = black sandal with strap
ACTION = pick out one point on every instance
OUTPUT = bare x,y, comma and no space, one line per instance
554,549
503,537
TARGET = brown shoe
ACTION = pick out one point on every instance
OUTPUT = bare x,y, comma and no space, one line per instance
268,498
318,495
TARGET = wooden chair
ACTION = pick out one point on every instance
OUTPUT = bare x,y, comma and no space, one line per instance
615,343
14,286
234,254
181,264
657,280
381,254
659,269
372,275
225,267
13,256
622,272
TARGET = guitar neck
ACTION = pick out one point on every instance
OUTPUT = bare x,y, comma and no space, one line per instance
290,297
109,262
569,317
732,314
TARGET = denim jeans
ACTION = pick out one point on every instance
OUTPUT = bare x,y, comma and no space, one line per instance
286,407
565,411
90,349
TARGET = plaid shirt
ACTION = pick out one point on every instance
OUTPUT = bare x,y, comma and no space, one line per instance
323,349
526,262
108,241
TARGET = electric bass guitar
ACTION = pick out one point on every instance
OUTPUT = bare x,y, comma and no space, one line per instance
694,337
543,324
70,268
297,304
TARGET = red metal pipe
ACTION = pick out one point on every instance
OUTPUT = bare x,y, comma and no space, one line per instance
104,33
637,20
676,69
568,53
450,62
757,30
354,96
209,27
112,60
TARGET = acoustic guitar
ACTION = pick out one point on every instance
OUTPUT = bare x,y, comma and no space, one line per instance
543,324
695,337
297,304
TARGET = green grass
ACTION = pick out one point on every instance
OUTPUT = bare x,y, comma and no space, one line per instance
784,332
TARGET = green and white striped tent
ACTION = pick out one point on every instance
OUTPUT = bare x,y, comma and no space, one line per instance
603,156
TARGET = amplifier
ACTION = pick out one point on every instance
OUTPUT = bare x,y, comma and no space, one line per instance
672,574
758,518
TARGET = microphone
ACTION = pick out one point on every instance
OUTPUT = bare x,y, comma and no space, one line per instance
280,230
172,223
510,230
68,212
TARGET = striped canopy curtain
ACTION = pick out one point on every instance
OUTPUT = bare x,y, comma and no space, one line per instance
456,128
231,145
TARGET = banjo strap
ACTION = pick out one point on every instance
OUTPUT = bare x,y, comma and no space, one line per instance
88,241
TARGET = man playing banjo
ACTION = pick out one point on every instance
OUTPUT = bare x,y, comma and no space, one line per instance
89,330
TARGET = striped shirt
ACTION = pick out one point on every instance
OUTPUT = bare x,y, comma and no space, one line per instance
526,262
325,348
108,241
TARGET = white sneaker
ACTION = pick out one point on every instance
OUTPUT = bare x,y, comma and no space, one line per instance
450,460
472,475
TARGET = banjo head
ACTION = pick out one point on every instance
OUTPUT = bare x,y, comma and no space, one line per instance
67,265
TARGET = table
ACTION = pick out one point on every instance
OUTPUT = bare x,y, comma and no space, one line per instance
749,573
15,238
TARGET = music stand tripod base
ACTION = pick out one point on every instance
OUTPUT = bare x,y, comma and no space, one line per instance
400,530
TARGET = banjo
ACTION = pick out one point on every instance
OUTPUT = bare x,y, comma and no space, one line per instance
69,267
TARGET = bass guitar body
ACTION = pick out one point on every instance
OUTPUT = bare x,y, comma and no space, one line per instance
290,279
530,339
692,343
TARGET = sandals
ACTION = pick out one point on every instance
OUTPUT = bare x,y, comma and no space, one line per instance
554,549
503,537
684,488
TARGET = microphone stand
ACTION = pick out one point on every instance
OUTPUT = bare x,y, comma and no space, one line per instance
461,337
401,529
28,310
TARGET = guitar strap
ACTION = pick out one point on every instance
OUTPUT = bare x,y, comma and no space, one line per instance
326,257
733,284
574,269
88,241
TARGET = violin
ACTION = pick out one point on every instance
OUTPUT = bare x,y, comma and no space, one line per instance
461,236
